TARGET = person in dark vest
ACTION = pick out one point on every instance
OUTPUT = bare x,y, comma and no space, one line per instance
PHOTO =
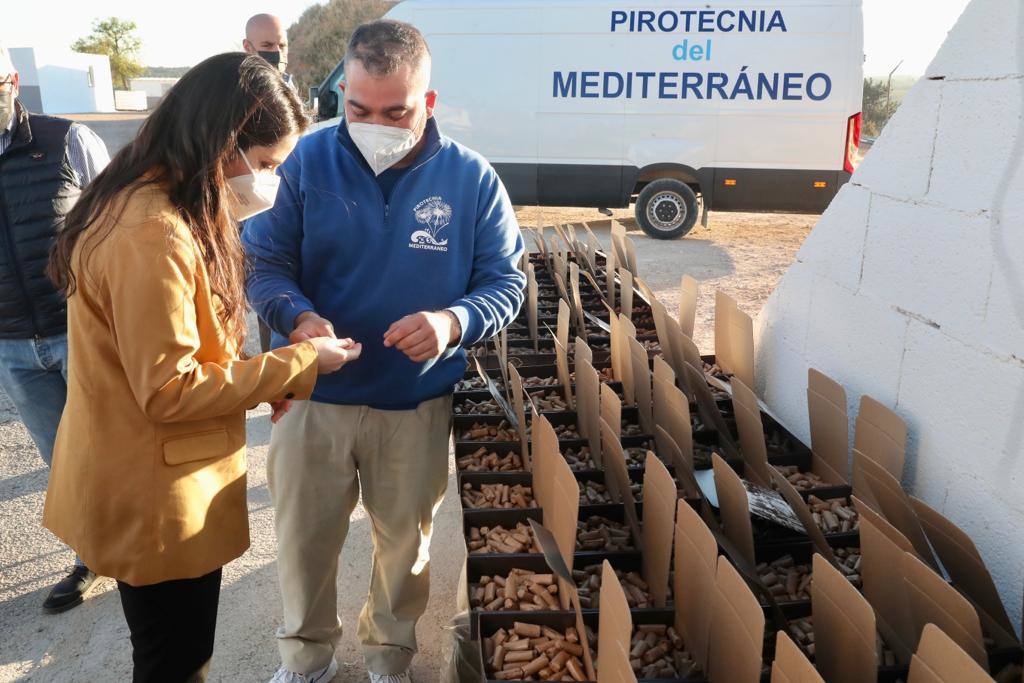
44,164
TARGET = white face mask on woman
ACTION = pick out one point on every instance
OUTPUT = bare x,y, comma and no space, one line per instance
251,193
382,146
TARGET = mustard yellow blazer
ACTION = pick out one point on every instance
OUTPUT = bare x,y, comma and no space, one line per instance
148,477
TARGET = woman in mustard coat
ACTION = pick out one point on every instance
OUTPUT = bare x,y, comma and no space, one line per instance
148,479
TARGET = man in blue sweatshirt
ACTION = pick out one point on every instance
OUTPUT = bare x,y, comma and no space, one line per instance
391,234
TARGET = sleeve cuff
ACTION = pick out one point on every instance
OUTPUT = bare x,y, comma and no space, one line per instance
465,318
288,310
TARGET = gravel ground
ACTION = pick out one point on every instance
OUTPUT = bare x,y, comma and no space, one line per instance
742,254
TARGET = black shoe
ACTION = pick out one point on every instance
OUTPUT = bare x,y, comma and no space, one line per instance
69,591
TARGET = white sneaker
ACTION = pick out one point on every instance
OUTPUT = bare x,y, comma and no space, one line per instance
324,675
390,678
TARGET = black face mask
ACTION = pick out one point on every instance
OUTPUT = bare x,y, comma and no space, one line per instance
273,57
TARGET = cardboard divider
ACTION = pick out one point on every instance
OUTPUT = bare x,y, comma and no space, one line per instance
689,290
610,266
881,435
693,581
642,384
962,561
882,579
685,474
662,370
799,506
561,286
577,301
844,627
672,418
791,665
625,332
645,290
662,322
734,507
659,521
691,356
734,338
939,659
618,231
615,343
741,337
560,231
561,514
516,383
614,631
566,587
617,480
561,353
581,351
723,306
588,407
631,261
626,280
539,241
544,450
531,303
737,629
611,410
830,428
751,432
933,601
709,413
895,505
595,285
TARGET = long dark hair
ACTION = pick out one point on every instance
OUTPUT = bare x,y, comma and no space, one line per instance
228,102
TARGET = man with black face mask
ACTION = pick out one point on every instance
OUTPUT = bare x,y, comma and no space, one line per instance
266,37
44,164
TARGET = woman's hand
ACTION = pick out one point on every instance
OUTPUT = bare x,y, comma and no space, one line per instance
279,409
333,353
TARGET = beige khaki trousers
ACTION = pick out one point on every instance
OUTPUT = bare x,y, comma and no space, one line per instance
321,457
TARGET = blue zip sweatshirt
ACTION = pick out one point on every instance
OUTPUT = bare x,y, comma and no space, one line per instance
447,238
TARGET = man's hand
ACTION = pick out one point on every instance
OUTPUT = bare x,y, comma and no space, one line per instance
309,325
424,335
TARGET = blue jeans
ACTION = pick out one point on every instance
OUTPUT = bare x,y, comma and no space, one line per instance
34,374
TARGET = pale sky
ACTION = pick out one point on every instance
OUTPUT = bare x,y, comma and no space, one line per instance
183,32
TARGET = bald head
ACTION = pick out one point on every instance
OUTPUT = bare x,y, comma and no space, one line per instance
265,36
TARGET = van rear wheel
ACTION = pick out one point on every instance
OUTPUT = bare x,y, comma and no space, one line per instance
666,209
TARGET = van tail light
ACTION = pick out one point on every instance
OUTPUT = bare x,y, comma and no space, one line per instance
850,159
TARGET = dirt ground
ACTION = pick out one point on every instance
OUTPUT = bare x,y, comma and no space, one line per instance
742,254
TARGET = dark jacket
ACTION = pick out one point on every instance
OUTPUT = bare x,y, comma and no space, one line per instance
37,188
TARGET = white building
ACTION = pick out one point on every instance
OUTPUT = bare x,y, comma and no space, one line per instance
155,87
55,81
911,289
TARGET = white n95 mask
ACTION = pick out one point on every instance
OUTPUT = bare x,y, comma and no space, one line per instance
382,146
252,193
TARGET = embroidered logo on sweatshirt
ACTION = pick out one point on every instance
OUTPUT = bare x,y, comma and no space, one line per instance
434,214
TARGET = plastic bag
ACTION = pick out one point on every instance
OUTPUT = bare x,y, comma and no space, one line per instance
463,664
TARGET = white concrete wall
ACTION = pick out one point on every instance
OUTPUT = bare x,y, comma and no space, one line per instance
68,82
911,289
153,86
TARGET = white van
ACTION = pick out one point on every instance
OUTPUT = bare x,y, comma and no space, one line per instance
738,106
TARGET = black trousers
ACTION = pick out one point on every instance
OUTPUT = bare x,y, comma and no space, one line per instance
172,626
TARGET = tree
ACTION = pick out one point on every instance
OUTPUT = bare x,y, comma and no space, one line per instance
876,112
116,39
317,40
